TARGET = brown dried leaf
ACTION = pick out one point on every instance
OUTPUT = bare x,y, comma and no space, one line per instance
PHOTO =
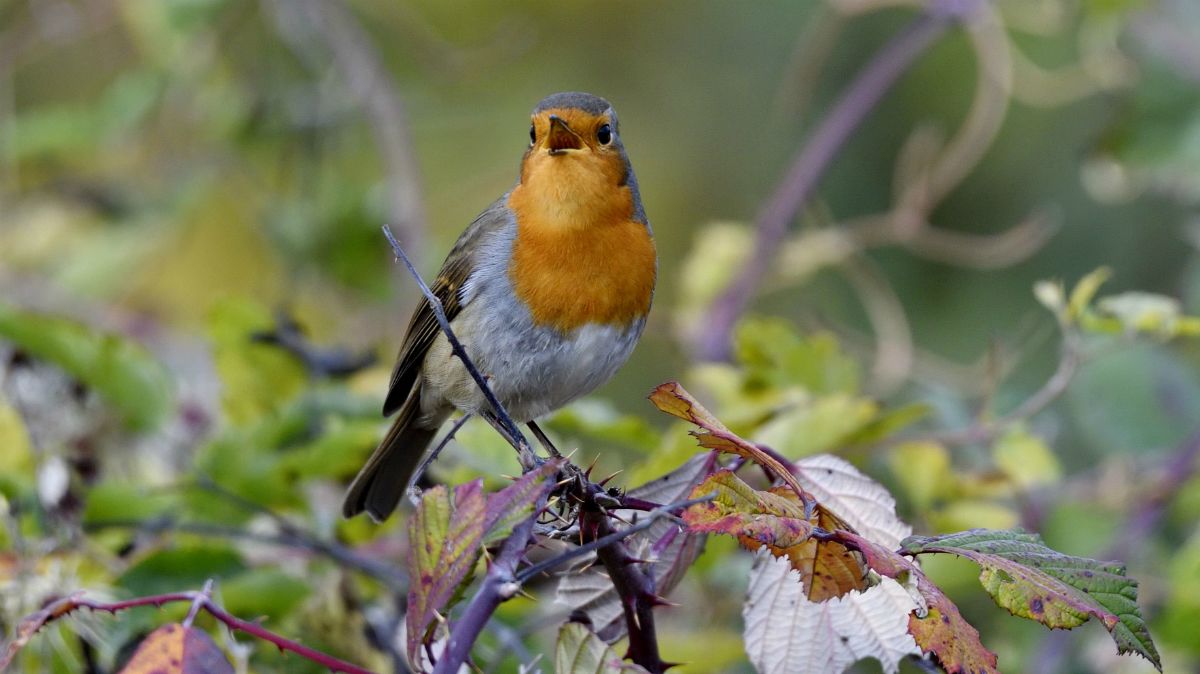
676,401
941,631
178,649
775,520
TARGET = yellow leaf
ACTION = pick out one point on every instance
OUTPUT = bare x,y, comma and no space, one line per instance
1085,290
15,455
817,426
1026,460
923,470
962,515
218,252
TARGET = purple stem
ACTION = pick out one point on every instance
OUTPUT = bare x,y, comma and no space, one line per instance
636,589
812,160
499,585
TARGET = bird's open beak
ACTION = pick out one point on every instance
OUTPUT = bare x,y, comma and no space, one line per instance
561,137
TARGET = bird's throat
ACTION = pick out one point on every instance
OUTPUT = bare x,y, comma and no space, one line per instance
579,256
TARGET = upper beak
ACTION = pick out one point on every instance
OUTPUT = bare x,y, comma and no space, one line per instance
561,138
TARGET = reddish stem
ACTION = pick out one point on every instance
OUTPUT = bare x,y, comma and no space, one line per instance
66,605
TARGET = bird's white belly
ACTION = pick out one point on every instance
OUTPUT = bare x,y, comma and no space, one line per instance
531,369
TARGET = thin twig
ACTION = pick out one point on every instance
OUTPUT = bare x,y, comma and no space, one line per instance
32,623
395,580
336,361
204,595
986,430
502,416
414,494
1177,471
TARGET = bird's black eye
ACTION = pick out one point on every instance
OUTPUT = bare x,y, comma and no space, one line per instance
532,135
604,134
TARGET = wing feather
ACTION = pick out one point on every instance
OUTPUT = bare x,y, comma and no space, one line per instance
423,327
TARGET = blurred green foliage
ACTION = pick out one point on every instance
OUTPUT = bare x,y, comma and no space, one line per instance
171,171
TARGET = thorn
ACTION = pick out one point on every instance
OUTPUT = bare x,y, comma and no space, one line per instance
618,518
656,600
636,560
668,665
588,471
508,477
605,480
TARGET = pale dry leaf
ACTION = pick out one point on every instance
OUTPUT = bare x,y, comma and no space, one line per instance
787,634
580,652
862,502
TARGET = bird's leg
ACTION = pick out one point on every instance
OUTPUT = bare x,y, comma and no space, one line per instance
529,460
549,446
414,492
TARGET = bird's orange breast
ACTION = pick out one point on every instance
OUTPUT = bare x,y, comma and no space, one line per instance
599,267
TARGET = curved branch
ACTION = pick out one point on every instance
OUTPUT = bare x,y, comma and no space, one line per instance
811,162
370,84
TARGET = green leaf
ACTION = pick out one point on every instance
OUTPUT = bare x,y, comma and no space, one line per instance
17,456
887,423
940,628
263,592
340,450
181,568
126,502
123,372
1026,459
507,507
1179,621
1140,312
445,535
774,355
1057,590
923,471
256,378
579,651
822,425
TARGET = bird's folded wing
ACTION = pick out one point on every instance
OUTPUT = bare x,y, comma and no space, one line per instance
423,328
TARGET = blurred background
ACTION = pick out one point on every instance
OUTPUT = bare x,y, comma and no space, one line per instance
192,270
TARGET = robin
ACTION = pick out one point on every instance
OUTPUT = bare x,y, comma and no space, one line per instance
548,291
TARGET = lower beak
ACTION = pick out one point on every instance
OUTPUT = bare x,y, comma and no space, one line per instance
561,138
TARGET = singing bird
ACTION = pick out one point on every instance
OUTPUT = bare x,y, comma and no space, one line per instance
548,290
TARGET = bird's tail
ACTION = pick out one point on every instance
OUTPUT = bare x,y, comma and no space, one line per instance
381,483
